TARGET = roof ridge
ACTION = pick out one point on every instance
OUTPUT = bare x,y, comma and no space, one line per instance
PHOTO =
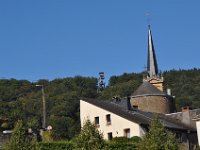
147,88
133,115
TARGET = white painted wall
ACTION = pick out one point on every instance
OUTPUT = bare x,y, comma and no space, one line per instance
198,130
118,124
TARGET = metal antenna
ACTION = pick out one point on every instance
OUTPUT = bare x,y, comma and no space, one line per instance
101,83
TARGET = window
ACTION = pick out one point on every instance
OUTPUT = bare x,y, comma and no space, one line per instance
108,119
127,133
180,137
135,106
110,136
96,121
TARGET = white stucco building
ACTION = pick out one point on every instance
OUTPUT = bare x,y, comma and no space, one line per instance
198,130
108,122
117,118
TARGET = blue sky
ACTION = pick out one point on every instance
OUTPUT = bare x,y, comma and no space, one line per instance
48,39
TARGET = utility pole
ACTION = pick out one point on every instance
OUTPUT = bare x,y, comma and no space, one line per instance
43,106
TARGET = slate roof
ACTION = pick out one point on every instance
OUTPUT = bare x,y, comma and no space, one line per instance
137,116
193,116
152,66
147,88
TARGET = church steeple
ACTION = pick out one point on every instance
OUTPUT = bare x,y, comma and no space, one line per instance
152,67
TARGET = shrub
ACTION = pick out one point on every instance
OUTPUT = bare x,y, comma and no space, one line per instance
47,136
20,140
120,140
120,146
89,138
158,138
56,146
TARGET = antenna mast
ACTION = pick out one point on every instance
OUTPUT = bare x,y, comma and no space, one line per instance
101,83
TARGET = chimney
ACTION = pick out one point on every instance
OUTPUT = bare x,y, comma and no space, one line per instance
185,109
186,118
128,102
168,91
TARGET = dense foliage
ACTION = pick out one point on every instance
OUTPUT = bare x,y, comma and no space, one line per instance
90,138
123,143
71,146
21,99
158,138
122,86
185,86
20,140
56,146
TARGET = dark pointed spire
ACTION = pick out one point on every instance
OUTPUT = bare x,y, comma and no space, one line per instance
152,67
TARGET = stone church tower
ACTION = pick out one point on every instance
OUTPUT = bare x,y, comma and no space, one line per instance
149,96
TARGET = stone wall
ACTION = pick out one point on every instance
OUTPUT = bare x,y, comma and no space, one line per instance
154,103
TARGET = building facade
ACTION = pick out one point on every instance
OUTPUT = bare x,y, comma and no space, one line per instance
109,123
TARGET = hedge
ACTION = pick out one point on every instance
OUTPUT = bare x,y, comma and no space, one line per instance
120,146
70,146
56,146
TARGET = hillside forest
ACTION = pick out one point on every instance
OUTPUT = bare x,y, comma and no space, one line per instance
22,99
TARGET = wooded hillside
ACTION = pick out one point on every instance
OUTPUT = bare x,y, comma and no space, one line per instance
21,99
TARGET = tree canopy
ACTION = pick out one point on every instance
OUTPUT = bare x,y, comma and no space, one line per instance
20,139
158,138
89,137
22,100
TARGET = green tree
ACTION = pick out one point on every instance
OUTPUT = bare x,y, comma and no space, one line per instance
47,136
20,140
158,138
89,138
60,127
